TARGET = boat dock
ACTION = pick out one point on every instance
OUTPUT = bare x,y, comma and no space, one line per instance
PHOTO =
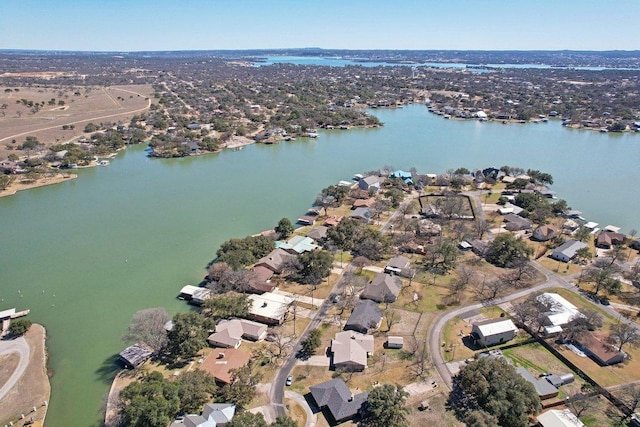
7,315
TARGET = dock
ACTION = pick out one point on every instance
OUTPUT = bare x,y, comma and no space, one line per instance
7,315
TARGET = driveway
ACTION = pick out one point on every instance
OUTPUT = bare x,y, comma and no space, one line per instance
20,346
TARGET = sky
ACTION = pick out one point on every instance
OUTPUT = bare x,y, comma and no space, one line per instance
141,25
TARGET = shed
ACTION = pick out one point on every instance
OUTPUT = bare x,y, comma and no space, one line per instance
559,418
493,331
395,342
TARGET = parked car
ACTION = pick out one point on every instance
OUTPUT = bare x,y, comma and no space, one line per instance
289,380
336,299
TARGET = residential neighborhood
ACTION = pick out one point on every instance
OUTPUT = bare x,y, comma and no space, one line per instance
403,285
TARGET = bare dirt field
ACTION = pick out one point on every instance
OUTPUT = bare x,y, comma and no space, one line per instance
58,106
19,185
32,389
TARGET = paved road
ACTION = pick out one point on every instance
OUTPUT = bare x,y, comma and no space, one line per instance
553,281
277,386
20,346
312,418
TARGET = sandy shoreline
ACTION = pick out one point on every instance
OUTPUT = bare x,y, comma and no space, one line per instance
32,388
41,182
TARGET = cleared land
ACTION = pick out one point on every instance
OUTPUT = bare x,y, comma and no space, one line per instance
81,105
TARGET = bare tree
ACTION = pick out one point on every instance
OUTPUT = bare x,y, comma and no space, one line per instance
582,403
488,290
624,333
147,326
391,318
279,344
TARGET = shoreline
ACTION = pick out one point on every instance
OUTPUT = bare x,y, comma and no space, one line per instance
33,388
41,182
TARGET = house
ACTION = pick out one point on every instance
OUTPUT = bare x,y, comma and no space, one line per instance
559,418
229,333
135,355
404,176
269,308
479,247
350,350
543,387
567,251
276,261
219,363
560,312
333,220
395,342
397,264
318,233
514,222
383,288
213,415
363,203
259,281
606,239
544,233
336,399
297,245
365,316
194,126
364,214
493,331
370,183
599,350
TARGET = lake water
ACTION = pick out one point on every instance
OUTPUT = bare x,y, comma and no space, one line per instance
86,254
342,62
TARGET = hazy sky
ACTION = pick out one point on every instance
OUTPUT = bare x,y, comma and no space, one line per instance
130,25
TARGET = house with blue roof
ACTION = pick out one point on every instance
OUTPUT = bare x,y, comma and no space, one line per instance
405,176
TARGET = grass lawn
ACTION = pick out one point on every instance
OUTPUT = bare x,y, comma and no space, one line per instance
558,267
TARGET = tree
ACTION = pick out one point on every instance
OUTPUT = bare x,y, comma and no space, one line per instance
346,234
242,388
147,326
602,278
19,327
195,388
152,402
480,418
624,333
5,181
583,255
241,252
315,266
386,406
247,419
441,258
312,342
494,386
284,228
188,335
582,234
284,421
578,325
506,249
226,306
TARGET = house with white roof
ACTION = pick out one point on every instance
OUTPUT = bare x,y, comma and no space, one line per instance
213,415
559,418
560,312
493,331
269,308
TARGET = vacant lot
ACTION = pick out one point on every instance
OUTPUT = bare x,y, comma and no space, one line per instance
41,111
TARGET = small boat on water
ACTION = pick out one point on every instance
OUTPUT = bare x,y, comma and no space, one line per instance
103,163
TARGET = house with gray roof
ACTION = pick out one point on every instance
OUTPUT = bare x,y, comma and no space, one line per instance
383,288
567,251
369,182
213,415
276,260
365,316
318,233
229,333
544,388
514,222
364,214
350,350
337,401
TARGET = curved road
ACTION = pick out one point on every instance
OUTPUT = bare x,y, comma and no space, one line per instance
435,333
20,346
